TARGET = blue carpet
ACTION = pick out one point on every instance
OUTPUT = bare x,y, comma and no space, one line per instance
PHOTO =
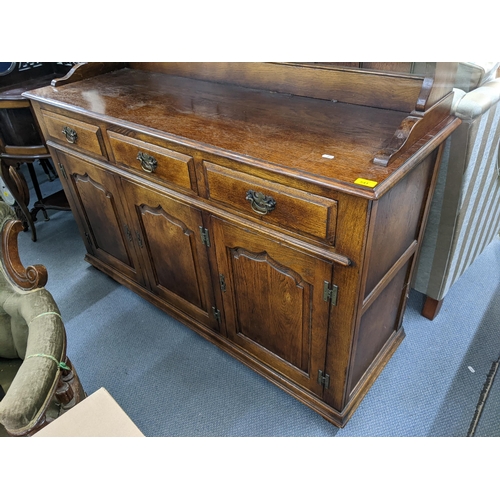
172,382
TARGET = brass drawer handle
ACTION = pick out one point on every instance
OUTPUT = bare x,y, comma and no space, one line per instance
148,162
260,203
71,135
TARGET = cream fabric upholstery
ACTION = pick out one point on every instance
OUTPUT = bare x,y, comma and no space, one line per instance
473,75
465,210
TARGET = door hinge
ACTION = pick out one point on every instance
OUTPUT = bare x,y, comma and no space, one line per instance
63,170
216,313
129,234
330,294
205,238
222,281
89,240
323,379
139,239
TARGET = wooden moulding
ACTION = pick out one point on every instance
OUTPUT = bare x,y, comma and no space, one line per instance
432,107
82,71
412,129
27,278
394,91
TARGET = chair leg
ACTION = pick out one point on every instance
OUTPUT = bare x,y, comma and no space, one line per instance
431,307
34,180
39,205
50,166
47,168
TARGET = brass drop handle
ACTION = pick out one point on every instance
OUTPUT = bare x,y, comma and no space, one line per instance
148,162
260,203
71,135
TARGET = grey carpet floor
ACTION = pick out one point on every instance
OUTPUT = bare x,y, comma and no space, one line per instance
172,382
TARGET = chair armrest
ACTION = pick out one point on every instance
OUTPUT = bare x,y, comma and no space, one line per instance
468,106
29,395
36,380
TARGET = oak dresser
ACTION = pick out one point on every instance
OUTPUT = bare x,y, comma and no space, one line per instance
274,208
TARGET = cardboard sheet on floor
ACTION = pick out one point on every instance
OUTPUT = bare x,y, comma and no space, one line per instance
99,415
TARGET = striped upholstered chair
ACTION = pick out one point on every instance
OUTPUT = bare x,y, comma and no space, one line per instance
465,210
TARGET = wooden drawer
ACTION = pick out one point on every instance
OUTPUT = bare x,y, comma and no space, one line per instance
272,202
74,133
157,162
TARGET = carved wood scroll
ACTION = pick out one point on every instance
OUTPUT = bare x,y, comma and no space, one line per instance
27,278
432,107
82,71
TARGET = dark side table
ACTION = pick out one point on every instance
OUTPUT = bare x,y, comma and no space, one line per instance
21,140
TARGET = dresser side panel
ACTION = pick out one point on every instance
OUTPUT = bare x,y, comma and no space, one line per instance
397,223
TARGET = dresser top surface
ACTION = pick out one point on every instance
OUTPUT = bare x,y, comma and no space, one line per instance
315,138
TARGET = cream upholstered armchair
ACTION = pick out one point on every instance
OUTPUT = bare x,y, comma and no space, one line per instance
37,380
465,212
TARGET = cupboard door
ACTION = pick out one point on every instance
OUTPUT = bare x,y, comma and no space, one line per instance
95,202
174,255
273,302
